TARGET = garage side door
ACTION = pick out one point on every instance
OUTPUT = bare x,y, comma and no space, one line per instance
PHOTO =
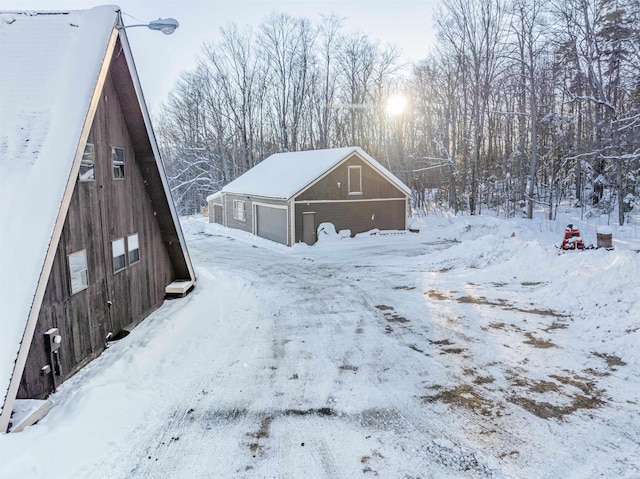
217,214
271,223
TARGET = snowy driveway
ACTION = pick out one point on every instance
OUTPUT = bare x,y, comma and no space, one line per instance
456,352
359,358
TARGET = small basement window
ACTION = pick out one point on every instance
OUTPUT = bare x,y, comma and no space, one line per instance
238,210
87,164
78,271
134,248
117,162
118,254
355,180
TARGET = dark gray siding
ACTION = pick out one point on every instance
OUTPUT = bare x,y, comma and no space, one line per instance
358,216
334,186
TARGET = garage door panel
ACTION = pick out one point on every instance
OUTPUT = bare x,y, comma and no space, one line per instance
271,223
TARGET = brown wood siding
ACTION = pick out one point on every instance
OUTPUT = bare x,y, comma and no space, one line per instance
374,185
355,216
101,211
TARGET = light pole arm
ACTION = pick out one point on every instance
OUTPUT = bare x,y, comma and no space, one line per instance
164,25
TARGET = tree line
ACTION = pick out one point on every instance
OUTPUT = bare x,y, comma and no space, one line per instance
521,104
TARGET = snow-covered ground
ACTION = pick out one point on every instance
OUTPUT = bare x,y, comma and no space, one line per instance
470,349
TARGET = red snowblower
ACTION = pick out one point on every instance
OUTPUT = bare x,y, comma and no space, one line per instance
572,239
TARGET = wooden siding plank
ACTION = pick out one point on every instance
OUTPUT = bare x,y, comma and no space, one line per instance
100,211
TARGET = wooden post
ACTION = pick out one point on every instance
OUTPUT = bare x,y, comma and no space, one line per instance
604,237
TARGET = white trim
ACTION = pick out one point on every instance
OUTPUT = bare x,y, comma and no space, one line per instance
311,202
349,169
38,297
123,255
225,216
85,284
271,205
292,227
129,250
235,210
93,154
118,164
406,213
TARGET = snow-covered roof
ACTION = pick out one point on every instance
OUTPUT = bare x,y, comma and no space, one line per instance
284,174
214,196
49,67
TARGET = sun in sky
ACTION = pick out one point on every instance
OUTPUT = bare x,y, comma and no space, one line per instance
396,104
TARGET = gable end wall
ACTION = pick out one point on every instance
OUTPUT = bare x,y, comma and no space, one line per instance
100,211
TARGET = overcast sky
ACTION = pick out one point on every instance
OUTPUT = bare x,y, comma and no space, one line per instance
160,59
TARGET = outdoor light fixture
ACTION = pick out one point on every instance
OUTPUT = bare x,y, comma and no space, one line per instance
164,25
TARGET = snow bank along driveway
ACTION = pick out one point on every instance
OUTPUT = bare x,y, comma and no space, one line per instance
456,352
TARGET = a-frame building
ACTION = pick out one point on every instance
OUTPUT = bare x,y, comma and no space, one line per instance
90,241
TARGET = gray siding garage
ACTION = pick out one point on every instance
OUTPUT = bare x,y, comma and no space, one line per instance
288,195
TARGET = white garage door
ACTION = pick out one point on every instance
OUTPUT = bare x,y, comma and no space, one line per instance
271,223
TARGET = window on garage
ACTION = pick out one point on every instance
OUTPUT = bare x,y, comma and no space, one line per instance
238,210
355,180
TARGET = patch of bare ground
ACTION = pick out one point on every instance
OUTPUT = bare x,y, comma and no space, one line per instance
265,427
537,342
406,288
483,380
365,462
439,295
441,342
589,396
384,307
446,342
390,316
611,360
479,380
395,318
466,396
262,433
545,410
555,325
500,326
499,302
348,367
453,351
